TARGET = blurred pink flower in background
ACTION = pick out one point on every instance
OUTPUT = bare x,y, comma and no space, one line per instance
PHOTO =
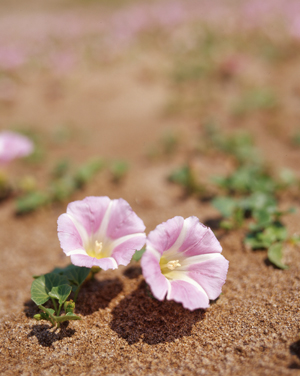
14,145
183,262
11,57
100,232
29,37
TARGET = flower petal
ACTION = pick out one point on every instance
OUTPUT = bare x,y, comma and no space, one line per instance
124,248
84,232
87,261
187,254
151,270
198,239
68,234
123,220
89,212
189,295
14,145
211,275
166,234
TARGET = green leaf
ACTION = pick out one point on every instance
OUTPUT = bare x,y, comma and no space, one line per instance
57,319
225,205
62,188
254,241
263,218
42,285
138,254
185,177
118,170
31,202
61,168
60,293
69,306
255,99
295,239
87,171
227,225
275,255
275,232
76,274
48,315
287,178
264,238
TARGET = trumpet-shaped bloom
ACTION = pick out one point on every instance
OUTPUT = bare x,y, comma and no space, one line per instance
100,232
14,145
183,262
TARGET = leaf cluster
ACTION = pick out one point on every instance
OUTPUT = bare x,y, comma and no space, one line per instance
63,184
255,99
248,179
167,145
118,170
251,193
57,287
186,178
240,144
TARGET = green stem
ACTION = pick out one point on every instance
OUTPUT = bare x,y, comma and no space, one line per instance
55,305
94,270
51,317
76,293
59,308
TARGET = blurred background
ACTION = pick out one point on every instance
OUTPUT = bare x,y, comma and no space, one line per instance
133,80
121,68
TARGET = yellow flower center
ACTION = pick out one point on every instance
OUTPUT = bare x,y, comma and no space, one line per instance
97,250
98,247
167,266
173,264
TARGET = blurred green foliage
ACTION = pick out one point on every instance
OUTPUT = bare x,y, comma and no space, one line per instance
240,144
255,99
63,184
119,170
186,178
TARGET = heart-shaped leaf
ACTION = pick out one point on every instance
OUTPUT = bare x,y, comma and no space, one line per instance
42,285
275,255
60,293
76,274
225,205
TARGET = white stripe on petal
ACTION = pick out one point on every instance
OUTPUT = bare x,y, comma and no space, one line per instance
197,259
78,251
169,288
154,252
123,239
100,235
114,261
81,230
179,241
181,276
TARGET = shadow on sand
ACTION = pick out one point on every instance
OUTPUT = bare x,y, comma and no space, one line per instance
95,295
47,335
140,316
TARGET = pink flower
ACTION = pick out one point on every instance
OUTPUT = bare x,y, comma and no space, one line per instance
100,232
183,262
14,145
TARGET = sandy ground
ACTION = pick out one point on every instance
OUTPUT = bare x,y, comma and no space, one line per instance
117,112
